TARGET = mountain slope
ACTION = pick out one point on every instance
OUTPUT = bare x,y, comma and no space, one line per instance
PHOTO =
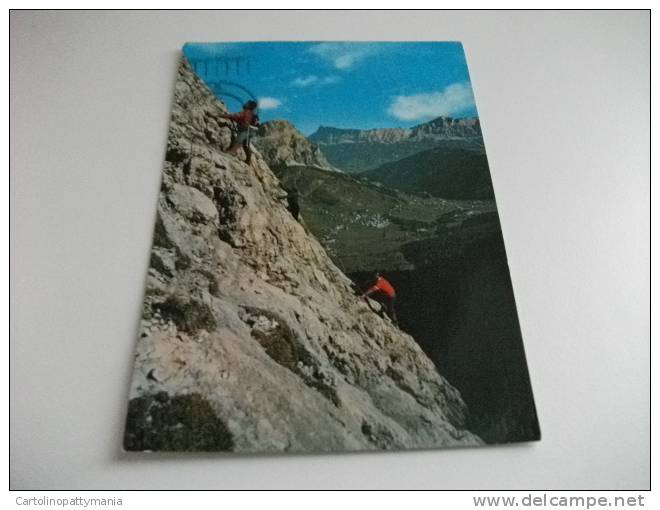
454,173
251,338
366,226
447,261
355,150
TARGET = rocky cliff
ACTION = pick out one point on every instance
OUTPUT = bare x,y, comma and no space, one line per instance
281,144
252,340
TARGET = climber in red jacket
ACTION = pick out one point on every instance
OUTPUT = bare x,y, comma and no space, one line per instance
384,293
245,120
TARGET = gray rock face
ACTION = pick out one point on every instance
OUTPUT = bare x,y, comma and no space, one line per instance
252,340
281,144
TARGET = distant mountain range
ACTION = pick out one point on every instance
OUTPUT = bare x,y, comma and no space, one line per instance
442,128
355,150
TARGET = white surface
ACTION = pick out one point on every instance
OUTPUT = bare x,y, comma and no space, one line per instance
564,103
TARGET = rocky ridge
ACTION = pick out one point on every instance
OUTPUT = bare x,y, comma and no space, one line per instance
281,144
251,339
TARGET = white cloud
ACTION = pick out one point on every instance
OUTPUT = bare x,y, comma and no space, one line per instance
312,79
306,81
329,80
452,100
344,55
269,103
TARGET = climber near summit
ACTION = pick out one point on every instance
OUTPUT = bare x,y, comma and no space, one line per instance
383,292
245,120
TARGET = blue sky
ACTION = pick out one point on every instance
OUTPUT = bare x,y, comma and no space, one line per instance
341,84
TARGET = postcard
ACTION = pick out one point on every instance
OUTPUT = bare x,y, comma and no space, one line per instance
328,271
